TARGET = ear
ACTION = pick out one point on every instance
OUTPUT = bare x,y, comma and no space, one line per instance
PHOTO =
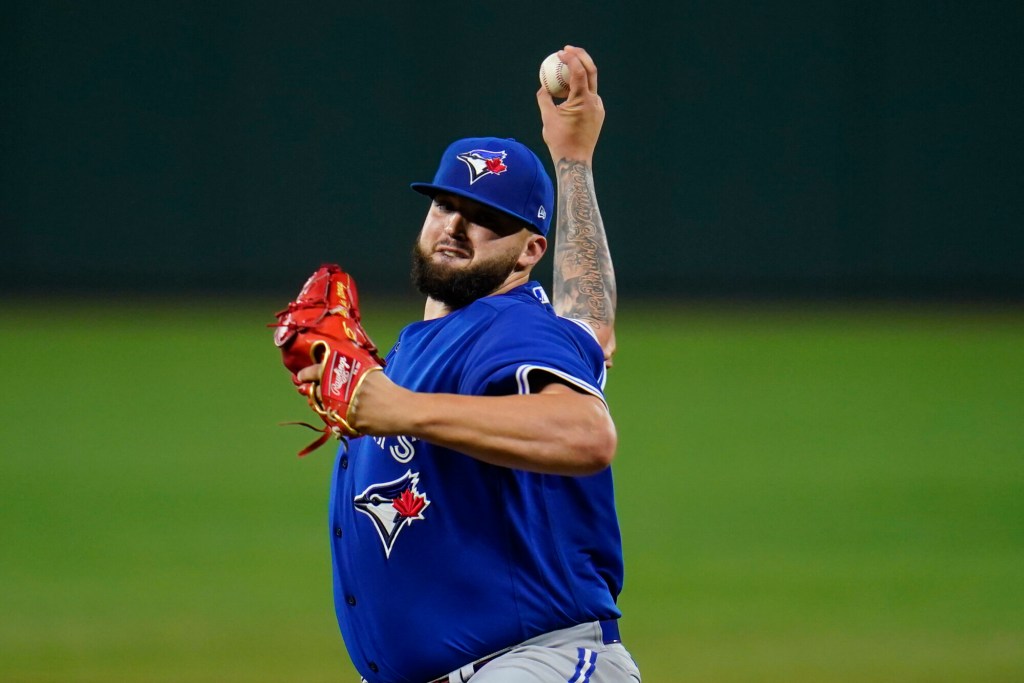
532,251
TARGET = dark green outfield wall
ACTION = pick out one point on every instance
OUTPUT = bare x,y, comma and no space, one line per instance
804,148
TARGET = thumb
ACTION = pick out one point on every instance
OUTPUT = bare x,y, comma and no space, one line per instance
545,102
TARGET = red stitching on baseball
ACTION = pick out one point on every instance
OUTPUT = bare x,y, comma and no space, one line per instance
562,83
558,74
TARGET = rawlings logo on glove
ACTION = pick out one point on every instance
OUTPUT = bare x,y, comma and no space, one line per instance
344,372
322,327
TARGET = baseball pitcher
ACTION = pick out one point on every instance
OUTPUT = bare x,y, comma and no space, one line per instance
472,519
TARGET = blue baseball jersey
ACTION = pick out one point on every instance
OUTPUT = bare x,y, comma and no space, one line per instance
441,559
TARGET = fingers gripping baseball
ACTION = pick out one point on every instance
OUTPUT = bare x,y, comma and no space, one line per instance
571,129
589,67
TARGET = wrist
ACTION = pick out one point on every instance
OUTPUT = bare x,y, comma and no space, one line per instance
573,155
364,414
383,408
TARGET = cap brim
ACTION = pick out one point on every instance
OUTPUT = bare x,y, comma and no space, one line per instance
429,189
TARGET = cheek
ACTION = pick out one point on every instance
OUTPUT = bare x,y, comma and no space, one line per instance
503,253
432,225
428,235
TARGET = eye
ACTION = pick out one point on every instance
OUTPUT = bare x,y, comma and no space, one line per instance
443,205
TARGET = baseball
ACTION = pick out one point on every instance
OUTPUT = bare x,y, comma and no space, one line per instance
554,75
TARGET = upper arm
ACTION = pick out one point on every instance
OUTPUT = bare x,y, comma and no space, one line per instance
550,384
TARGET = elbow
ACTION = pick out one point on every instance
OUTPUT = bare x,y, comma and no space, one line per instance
598,448
607,339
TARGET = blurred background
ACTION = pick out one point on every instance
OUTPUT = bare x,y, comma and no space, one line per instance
815,214
798,149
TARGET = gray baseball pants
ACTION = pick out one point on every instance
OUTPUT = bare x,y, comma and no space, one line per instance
572,655
579,654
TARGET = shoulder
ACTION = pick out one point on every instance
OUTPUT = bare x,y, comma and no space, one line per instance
518,337
525,315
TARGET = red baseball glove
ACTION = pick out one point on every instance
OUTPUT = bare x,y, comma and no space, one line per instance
325,312
322,327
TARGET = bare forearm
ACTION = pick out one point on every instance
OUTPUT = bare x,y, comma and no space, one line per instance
584,279
557,433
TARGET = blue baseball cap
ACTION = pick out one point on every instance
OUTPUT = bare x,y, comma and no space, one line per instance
496,172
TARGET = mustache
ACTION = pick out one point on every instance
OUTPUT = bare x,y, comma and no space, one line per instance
452,246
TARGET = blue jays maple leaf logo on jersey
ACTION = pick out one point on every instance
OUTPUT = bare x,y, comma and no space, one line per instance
392,506
483,162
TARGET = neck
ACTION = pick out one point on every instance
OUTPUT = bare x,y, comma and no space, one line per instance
435,309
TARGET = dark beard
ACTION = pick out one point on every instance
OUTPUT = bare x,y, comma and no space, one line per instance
458,287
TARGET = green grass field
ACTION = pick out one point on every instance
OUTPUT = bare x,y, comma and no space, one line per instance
819,494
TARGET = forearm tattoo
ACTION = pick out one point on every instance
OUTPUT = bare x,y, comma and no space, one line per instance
584,281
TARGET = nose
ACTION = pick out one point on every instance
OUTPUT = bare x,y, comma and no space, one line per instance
456,225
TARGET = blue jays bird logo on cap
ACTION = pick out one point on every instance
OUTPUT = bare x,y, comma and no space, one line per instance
523,188
482,162
392,506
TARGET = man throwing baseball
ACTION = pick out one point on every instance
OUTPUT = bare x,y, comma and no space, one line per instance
473,524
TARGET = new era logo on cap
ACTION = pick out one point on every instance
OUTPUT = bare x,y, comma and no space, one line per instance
501,173
482,162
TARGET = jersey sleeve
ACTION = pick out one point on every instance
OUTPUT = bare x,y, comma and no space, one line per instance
526,347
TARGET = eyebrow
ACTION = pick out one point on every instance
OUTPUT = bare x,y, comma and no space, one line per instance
481,215
498,222
491,217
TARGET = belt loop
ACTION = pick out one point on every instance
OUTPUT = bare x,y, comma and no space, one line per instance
610,631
